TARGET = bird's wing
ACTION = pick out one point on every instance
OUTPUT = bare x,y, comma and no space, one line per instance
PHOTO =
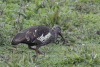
23,35
40,34
42,30
31,34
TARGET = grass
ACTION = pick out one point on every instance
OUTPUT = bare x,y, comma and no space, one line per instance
56,55
79,21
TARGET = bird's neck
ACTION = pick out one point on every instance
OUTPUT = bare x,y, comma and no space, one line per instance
54,33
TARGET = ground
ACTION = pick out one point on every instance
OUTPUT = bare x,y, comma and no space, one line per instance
60,55
80,25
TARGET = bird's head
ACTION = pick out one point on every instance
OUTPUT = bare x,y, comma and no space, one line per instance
57,29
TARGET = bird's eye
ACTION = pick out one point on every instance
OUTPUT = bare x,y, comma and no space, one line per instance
59,31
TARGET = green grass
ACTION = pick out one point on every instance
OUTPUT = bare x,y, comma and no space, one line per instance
79,21
76,55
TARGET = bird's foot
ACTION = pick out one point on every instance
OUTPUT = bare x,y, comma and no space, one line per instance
34,56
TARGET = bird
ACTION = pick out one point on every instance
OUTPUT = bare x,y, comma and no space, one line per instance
37,35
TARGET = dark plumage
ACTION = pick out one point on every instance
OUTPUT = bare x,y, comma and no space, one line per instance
37,35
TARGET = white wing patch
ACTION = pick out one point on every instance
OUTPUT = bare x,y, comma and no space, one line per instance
44,38
35,31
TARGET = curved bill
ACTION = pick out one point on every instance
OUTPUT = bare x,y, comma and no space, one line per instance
62,37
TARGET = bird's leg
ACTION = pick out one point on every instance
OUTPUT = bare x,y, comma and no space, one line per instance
31,48
37,50
34,49
40,52
37,47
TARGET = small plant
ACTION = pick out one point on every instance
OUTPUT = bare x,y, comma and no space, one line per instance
5,34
